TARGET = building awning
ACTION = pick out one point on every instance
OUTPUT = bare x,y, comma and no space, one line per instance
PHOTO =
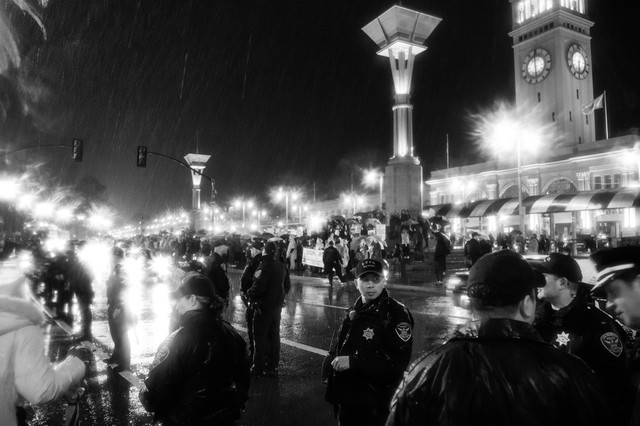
552,203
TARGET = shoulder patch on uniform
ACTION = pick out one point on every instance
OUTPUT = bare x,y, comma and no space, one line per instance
164,350
403,330
257,274
611,342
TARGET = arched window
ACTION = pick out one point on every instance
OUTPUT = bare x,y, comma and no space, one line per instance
561,186
512,192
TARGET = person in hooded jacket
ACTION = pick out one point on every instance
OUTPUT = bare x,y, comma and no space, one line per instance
26,375
497,370
373,349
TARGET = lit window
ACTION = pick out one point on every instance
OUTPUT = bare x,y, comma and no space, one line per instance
597,182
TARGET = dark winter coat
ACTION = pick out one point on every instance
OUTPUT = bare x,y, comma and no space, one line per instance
472,250
378,339
499,372
585,331
200,373
271,283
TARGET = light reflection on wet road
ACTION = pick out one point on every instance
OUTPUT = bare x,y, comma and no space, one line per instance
311,316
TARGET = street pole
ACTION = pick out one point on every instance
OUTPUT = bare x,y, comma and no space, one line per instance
381,177
520,206
286,209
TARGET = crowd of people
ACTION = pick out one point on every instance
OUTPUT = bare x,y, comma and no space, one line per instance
539,348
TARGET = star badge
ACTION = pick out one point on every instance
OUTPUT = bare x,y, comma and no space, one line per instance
563,339
368,333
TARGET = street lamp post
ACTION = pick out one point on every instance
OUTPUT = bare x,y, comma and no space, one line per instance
374,177
286,194
521,208
506,129
241,202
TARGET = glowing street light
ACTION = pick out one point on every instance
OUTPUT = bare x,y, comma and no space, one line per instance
352,200
507,129
241,202
286,194
260,214
372,177
9,189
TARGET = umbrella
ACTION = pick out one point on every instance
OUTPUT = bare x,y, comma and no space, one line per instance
483,236
337,217
439,220
351,221
266,235
275,239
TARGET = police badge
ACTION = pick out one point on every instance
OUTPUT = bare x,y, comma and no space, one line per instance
612,343
403,330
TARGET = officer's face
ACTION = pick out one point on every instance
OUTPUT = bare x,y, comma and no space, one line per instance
184,304
371,286
623,301
551,290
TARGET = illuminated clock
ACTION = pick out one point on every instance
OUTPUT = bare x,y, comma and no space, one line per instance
577,61
536,66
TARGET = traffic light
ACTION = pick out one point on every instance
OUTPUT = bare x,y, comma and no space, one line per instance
142,156
76,150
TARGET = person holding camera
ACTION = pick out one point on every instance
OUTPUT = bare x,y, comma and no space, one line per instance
26,375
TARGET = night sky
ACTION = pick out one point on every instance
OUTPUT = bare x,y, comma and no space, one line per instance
278,92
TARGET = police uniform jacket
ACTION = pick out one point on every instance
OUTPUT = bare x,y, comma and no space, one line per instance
499,372
271,283
377,338
200,371
587,332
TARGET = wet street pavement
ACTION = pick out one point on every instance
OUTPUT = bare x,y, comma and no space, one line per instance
313,312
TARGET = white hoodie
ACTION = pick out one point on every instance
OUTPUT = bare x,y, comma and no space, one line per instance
25,371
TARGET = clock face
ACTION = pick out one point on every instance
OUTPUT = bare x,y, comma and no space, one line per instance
577,61
536,66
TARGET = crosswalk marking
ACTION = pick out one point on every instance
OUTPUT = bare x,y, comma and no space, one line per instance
294,344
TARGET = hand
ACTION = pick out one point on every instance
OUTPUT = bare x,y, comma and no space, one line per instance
73,393
340,363
83,353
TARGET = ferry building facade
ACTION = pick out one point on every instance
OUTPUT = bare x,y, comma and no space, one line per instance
583,186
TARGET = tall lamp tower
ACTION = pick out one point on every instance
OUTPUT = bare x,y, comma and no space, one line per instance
400,34
197,162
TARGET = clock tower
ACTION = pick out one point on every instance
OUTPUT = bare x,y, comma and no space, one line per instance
552,63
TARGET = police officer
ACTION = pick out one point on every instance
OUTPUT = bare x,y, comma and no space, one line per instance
618,281
80,281
200,374
118,313
373,349
571,323
246,281
496,370
270,285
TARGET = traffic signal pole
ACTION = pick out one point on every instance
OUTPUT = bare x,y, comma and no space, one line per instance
76,149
